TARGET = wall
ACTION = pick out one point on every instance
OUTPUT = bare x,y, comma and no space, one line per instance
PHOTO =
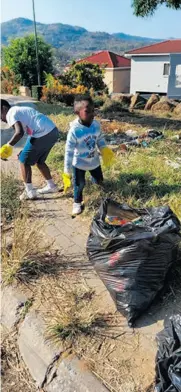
121,80
117,80
174,84
147,74
108,79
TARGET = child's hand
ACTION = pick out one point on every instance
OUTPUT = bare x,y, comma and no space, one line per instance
6,151
66,181
107,156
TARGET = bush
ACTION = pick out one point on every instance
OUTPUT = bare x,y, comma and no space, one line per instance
55,92
9,84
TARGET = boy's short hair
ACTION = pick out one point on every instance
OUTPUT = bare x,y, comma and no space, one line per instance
5,103
78,102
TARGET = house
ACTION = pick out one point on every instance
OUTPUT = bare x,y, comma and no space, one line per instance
117,70
157,69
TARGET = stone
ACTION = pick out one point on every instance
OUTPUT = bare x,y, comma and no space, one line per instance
125,99
37,353
151,101
73,376
177,110
137,102
12,302
162,106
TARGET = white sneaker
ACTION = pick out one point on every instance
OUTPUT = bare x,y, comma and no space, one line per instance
48,189
28,195
77,209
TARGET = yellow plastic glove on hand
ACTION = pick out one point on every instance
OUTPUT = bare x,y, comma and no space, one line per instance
6,151
66,181
107,156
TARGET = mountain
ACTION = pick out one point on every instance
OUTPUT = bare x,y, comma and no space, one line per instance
71,41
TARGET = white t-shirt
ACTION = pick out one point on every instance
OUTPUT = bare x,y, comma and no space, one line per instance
34,123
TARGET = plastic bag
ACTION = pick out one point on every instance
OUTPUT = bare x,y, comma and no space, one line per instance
133,259
168,359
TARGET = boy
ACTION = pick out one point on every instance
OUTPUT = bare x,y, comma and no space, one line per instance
81,152
42,135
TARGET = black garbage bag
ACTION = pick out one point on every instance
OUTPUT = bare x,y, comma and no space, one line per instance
168,358
133,258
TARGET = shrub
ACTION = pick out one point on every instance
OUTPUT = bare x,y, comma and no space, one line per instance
9,84
56,92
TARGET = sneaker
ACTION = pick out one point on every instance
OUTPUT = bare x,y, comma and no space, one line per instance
28,195
77,209
48,189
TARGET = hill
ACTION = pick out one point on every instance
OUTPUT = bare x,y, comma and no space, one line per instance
71,41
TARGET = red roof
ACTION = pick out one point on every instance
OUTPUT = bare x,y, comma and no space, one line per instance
110,59
170,46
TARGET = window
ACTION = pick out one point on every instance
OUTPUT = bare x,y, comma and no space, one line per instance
166,69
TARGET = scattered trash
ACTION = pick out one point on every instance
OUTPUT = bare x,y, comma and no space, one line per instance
168,358
131,138
131,133
132,251
175,165
176,137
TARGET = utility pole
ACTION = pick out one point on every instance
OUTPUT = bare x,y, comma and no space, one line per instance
36,46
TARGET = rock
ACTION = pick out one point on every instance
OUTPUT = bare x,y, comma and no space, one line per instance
73,376
37,354
151,101
162,106
137,102
125,99
177,110
11,305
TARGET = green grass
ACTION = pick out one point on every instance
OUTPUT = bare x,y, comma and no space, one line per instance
10,189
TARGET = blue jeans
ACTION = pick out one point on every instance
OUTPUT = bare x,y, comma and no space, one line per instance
79,181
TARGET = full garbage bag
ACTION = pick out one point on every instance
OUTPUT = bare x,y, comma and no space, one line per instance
132,251
168,358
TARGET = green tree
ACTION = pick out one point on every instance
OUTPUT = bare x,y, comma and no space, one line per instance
86,74
20,57
147,7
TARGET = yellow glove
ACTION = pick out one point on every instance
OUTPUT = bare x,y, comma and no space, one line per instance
6,151
66,181
107,156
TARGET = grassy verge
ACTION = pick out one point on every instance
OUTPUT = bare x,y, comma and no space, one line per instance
10,190
140,176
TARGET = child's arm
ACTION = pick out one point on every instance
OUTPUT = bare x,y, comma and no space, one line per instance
69,151
101,143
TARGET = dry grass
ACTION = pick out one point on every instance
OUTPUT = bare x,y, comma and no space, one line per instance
21,251
15,375
10,203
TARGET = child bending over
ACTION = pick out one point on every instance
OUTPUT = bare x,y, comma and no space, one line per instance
42,135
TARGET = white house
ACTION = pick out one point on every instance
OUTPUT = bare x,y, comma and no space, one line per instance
157,69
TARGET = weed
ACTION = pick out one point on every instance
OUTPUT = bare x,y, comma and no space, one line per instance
10,202
19,258
26,308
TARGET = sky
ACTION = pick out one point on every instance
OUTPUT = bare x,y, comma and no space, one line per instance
97,15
